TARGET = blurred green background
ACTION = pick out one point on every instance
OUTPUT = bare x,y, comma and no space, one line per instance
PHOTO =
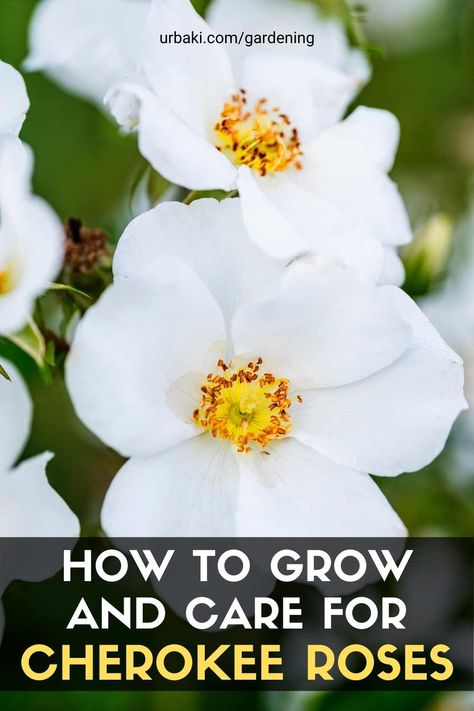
85,168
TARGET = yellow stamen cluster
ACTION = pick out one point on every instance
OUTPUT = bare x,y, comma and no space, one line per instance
261,138
244,406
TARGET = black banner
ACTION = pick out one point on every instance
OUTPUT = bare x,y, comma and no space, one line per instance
237,614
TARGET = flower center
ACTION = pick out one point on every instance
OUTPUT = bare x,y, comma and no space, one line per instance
7,281
262,138
244,406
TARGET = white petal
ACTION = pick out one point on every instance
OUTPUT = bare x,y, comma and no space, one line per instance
287,17
324,327
15,416
451,308
194,80
368,197
358,65
30,507
267,225
189,490
32,236
175,150
295,492
15,100
314,226
143,334
15,310
393,272
313,95
209,236
398,419
86,45
16,168
366,136
347,175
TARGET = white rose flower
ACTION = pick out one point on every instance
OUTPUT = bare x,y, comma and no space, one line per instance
263,17
267,127
255,417
451,309
86,45
15,102
31,236
29,506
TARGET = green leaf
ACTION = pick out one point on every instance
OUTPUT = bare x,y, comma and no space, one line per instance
50,354
69,311
4,373
156,186
350,15
31,341
67,287
201,5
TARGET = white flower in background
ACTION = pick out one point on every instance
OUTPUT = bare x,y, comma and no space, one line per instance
452,311
29,506
269,128
31,236
406,25
86,45
257,17
262,421
15,102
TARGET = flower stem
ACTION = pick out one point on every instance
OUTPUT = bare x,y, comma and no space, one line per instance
190,197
